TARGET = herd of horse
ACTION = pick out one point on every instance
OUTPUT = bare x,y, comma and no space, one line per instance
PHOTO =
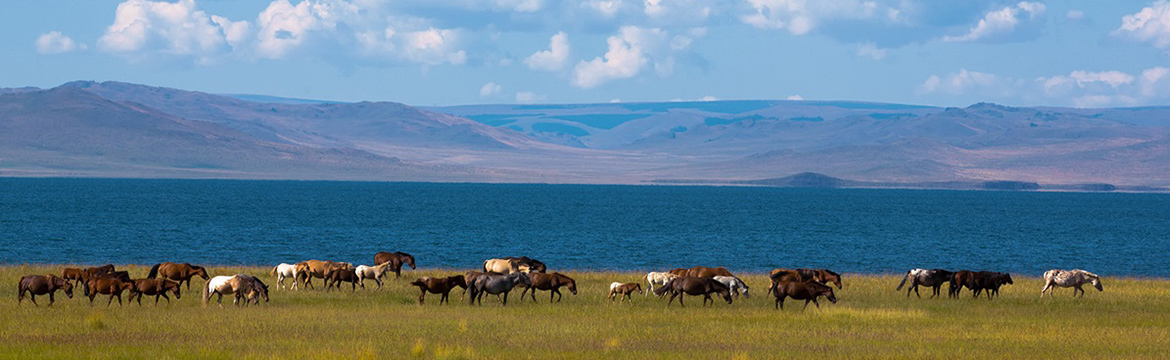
500,276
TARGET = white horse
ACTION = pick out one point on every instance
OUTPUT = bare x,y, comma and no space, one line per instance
1070,278
285,271
656,278
373,272
736,285
245,287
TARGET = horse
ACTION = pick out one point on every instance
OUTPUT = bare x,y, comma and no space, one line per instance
1070,278
310,269
990,281
617,288
396,259
156,287
111,286
550,282
808,291
736,285
510,265
120,275
373,272
679,272
690,285
241,286
284,271
336,276
98,270
438,286
823,276
933,278
656,278
178,272
707,272
77,275
493,283
40,285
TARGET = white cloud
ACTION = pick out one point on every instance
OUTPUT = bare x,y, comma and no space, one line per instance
1155,83
972,82
606,8
526,97
177,28
523,6
1150,25
1074,14
799,17
490,89
678,11
1078,88
554,58
1001,23
54,42
795,98
629,52
870,50
708,98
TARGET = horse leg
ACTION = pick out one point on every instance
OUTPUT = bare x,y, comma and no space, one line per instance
51,300
422,294
815,302
506,298
550,295
780,301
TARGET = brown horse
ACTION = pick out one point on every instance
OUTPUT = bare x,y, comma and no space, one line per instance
41,285
438,286
708,272
120,275
77,275
177,272
679,272
690,285
156,287
310,269
808,291
823,276
245,287
978,281
551,283
624,290
396,260
334,277
111,286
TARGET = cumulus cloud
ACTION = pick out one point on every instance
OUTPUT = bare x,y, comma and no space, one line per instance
1002,23
490,89
630,51
554,58
177,28
1079,88
54,42
870,50
1150,25
972,82
800,16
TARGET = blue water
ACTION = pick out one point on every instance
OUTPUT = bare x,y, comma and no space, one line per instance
581,226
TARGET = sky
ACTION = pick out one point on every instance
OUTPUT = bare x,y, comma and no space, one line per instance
1082,53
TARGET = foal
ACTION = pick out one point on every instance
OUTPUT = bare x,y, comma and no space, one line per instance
617,288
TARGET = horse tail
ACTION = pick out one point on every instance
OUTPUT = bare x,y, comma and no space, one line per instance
274,269
907,277
646,278
153,272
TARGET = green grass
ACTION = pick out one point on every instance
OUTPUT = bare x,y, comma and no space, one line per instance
1129,320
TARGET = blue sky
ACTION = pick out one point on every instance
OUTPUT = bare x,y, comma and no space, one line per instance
1086,53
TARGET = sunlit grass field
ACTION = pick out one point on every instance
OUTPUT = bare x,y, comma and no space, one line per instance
1130,319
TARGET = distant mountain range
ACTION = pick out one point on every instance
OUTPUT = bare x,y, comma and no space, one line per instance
113,129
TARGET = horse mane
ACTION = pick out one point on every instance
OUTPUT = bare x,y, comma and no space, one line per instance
1092,275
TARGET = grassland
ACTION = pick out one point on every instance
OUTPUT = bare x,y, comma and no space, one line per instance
1131,319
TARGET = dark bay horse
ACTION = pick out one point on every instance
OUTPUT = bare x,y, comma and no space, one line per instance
689,285
933,278
438,286
551,283
111,286
177,272
336,276
155,287
77,275
40,285
808,291
495,283
979,281
708,272
823,276
396,260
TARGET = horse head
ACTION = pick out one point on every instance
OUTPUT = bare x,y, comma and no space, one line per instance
1007,278
829,295
829,276
572,285
1096,280
409,260
65,285
201,271
459,281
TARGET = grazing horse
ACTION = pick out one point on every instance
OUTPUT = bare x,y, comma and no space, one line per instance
617,288
438,286
933,278
40,285
493,283
77,275
156,287
736,285
689,285
285,271
508,265
310,269
177,272
242,286
396,260
657,278
336,276
1070,278
707,272
551,283
372,272
808,291
111,286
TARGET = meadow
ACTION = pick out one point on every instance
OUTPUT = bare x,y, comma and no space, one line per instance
1130,319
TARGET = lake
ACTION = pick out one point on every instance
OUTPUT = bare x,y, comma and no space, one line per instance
748,229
